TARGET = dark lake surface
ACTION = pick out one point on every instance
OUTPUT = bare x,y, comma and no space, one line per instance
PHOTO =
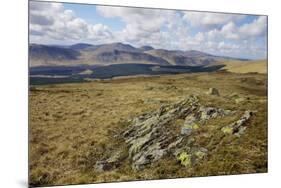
71,74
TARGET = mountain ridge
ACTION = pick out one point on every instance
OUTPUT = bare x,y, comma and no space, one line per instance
116,53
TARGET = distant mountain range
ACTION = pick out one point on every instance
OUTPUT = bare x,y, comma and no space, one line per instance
116,53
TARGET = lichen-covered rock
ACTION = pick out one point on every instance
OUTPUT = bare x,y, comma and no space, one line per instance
211,112
184,158
241,131
238,127
191,157
227,130
188,128
151,136
205,113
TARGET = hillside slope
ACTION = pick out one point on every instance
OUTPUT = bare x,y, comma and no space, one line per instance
190,58
115,53
259,66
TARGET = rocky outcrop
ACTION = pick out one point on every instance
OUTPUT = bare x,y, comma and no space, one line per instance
153,135
149,136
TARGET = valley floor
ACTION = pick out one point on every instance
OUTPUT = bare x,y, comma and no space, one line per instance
73,126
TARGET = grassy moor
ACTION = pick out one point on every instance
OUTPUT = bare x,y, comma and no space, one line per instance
124,93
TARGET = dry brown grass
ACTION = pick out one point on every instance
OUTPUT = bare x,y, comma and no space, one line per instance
259,66
72,126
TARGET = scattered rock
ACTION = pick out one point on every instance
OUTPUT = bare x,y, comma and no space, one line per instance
102,166
238,127
213,91
240,99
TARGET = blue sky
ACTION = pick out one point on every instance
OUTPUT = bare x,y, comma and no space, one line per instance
236,35
89,14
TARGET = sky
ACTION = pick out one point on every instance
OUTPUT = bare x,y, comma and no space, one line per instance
234,35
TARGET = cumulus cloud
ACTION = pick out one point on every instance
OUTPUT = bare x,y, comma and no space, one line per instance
231,31
256,28
149,19
53,22
140,23
210,20
218,33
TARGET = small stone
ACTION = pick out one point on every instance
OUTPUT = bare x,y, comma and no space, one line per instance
102,166
99,167
213,91
239,100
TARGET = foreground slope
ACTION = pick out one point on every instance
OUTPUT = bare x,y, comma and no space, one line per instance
75,127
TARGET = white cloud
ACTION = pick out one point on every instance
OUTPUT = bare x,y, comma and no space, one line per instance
210,20
210,32
256,28
150,20
52,22
229,31
200,37
144,25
